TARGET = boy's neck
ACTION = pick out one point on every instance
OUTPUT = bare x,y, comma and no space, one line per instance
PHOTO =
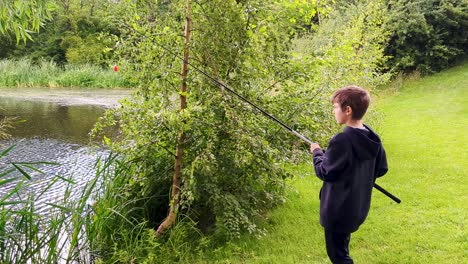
355,123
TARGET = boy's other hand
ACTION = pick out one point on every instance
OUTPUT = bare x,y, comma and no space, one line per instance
314,146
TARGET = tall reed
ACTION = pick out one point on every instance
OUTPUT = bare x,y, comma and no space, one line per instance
102,224
122,233
28,235
23,73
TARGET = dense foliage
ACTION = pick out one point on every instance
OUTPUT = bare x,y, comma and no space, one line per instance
230,171
23,17
426,35
77,33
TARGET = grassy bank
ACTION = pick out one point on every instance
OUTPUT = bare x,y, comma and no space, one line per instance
23,73
424,132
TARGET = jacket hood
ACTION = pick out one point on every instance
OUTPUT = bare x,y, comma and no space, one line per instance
366,143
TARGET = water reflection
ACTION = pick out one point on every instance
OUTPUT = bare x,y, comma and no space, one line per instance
70,123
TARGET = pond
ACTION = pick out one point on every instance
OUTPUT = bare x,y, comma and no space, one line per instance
65,115
54,127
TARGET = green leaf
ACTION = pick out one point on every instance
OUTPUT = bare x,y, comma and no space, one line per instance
61,207
25,174
13,202
184,94
4,182
65,179
7,150
107,140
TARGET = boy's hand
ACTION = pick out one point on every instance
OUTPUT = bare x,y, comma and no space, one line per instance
314,146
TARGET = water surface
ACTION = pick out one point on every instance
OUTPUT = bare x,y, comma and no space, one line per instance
65,115
54,127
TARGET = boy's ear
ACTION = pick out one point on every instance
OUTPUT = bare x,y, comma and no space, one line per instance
348,110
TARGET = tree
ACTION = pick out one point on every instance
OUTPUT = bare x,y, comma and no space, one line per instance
78,32
232,170
24,17
426,35
177,178
231,173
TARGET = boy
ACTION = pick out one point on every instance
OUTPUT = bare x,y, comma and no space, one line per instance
348,169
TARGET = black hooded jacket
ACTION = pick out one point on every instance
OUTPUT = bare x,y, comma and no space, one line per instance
348,168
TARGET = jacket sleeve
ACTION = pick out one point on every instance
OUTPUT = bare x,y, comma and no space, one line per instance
381,163
330,165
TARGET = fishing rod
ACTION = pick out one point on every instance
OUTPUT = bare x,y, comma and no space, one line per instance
299,135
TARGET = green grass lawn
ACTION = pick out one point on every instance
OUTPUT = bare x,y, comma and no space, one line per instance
424,131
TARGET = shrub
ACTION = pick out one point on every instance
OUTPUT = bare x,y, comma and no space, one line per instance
426,35
233,158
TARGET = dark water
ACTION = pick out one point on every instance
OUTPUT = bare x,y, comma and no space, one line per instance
50,120
52,128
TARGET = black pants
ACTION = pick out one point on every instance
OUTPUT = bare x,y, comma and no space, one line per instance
338,247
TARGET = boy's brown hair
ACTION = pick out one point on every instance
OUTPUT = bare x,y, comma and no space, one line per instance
353,96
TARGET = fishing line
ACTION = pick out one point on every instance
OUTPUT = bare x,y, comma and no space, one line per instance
219,83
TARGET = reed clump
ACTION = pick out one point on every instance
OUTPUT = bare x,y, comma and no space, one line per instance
58,234
25,73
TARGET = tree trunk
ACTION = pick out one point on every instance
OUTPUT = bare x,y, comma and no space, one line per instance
176,179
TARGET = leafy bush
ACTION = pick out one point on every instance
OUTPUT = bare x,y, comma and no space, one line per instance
346,49
72,33
426,35
233,158
88,50
231,174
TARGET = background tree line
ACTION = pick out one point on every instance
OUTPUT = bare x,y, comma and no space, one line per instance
73,32
424,35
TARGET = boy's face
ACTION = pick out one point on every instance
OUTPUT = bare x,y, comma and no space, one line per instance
340,116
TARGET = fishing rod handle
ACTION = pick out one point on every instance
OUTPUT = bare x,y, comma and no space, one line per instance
391,196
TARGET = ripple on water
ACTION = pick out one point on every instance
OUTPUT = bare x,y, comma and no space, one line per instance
74,162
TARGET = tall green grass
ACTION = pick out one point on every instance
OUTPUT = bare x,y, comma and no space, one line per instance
119,235
58,236
93,227
23,73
